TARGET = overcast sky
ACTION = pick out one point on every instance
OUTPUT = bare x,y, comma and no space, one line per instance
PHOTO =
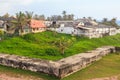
80,8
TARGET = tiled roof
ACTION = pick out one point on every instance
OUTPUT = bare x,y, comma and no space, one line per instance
37,24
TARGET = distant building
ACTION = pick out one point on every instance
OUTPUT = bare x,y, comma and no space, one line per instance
3,26
84,27
34,27
85,22
97,31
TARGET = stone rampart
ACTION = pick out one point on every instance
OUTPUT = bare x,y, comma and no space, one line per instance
60,68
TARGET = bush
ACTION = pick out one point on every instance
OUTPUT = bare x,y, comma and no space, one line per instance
29,37
51,52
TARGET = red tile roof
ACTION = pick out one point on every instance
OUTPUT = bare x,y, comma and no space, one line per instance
37,24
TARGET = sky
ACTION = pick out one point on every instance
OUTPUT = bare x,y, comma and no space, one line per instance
80,8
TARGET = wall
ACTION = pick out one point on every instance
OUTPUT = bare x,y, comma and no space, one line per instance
60,68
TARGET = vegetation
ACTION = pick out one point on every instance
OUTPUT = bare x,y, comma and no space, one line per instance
63,44
22,19
42,45
111,22
1,34
63,17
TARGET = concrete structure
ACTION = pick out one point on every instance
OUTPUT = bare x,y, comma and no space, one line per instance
60,68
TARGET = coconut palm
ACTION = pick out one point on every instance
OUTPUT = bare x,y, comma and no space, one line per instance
28,17
64,15
20,21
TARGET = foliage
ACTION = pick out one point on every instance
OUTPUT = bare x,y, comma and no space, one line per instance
1,33
52,52
22,19
63,44
46,46
112,22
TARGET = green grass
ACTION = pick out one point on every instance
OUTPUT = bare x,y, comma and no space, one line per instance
107,66
13,72
41,45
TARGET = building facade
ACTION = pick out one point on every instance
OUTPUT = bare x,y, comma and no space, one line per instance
35,26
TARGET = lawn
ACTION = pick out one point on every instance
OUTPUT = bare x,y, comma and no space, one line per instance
42,45
107,66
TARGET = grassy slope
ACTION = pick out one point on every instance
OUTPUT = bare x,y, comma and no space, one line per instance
41,45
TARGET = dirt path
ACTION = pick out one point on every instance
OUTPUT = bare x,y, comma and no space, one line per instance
107,78
16,77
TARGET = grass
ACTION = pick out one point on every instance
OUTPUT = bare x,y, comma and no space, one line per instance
41,45
14,72
107,66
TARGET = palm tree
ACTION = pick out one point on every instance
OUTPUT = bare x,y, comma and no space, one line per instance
64,15
28,17
20,21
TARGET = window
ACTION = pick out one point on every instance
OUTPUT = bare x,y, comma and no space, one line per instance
33,29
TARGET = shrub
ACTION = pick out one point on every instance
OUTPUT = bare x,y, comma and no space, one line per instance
51,52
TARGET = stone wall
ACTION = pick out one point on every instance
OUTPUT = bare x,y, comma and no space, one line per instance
60,68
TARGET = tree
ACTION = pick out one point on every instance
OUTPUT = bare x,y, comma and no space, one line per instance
64,15
63,43
41,17
113,22
90,18
28,15
49,18
1,34
20,21
105,20
70,17
6,15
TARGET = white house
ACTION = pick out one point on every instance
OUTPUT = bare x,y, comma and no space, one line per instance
97,31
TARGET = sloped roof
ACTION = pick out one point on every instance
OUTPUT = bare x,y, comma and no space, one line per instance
37,24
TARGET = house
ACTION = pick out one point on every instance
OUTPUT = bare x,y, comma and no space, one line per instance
66,27
97,31
84,27
85,22
48,23
3,26
34,27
